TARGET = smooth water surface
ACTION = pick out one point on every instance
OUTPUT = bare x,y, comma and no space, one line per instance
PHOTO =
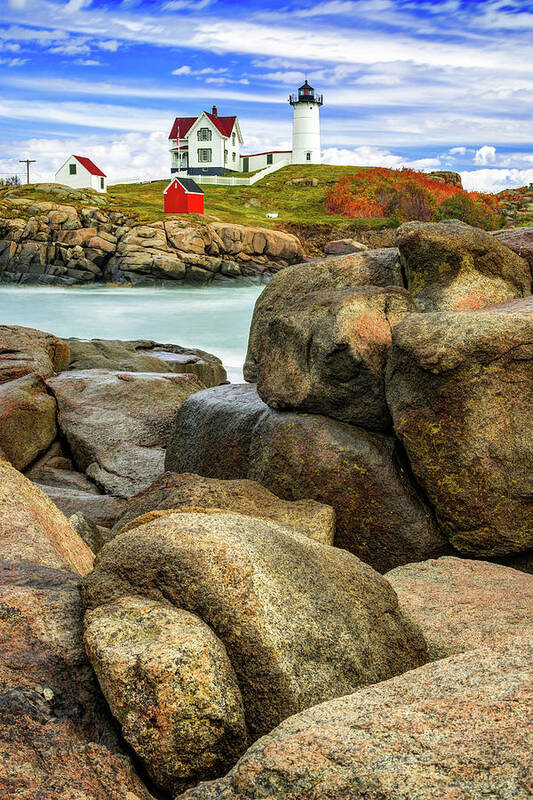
213,318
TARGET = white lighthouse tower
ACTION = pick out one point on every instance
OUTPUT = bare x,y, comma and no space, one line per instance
306,125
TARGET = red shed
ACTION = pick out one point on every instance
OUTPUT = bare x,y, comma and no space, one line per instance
183,196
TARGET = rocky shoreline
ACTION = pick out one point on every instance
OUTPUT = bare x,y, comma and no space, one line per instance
313,586
54,244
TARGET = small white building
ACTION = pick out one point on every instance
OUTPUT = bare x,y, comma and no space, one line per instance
80,172
210,145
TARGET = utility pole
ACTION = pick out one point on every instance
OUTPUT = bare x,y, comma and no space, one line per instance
27,161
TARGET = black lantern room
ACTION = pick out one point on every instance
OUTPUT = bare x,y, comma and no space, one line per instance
306,94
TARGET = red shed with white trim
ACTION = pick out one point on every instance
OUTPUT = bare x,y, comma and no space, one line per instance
183,196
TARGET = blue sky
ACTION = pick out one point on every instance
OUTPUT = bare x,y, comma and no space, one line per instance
431,83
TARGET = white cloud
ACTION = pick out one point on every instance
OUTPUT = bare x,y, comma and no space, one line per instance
187,70
88,62
132,155
485,155
110,44
457,151
73,48
184,70
13,62
369,156
11,47
494,180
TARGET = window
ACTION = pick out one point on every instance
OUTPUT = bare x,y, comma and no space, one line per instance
308,156
233,139
225,156
270,158
234,157
204,135
72,169
205,155
101,183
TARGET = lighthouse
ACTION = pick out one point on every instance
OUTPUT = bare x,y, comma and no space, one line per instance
306,125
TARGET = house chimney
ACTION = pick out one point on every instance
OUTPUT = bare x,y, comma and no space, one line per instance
214,111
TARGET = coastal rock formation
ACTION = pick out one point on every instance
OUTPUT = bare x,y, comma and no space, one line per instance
94,536
461,604
454,728
460,390
342,247
452,266
144,355
56,735
101,509
228,432
27,419
59,244
301,622
117,424
24,351
187,491
33,530
170,684
519,240
326,353
370,268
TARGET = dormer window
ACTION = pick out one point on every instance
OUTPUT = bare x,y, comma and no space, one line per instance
204,135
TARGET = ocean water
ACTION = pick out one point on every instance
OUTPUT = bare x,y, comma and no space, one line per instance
213,318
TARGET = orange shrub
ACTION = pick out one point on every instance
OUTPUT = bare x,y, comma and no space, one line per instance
409,195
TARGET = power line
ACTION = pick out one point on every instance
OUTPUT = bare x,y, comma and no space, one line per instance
27,161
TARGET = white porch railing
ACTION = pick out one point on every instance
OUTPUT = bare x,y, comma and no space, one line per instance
230,180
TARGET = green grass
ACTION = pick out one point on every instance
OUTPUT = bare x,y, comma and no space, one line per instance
300,205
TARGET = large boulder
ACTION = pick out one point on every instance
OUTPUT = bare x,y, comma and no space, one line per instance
342,247
456,728
519,240
185,491
32,529
145,356
301,622
452,266
213,434
460,390
326,353
101,509
462,604
25,350
170,684
27,419
228,432
117,424
57,739
369,268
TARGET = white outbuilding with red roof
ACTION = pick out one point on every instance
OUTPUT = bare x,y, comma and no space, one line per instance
79,172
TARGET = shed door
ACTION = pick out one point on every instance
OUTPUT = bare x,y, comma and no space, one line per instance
246,165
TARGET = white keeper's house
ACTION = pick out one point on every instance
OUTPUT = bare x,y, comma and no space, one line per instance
211,144
80,172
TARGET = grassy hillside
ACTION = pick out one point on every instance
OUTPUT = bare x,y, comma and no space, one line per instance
249,204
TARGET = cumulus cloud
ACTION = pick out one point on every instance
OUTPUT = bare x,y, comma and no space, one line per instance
368,156
494,180
485,155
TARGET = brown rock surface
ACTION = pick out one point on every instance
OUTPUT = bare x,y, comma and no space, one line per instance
460,390
101,509
301,621
117,424
373,267
145,356
456,728
32,529
27,419
25,350
452,266
228,432
181,491
326,353
519,240
342,247
170,684
461,604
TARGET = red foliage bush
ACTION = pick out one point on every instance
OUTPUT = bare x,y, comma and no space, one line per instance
409,195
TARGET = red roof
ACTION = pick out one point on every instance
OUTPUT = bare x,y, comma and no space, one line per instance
223,124
183,124
90,165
